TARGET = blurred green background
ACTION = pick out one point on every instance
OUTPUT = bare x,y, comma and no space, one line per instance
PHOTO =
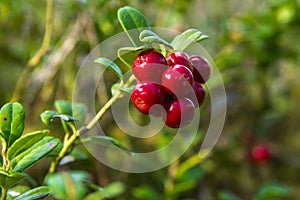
255,45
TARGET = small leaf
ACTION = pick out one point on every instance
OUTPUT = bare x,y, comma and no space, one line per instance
63,107
17,191
110,191
12,116
35,153
225,195
111,65
127,54
48,116
182,41
106,138
149,36
24,143
79,111
132,19
273,191
8,179
68,185
75,154
36,193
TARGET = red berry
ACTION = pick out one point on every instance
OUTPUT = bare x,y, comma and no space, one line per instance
199,92
147,94
178,79
149,66
180,112
180,58
201,68
260,153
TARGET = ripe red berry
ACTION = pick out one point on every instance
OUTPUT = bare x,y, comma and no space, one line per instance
147,94
149,66
180,58
197,95
178,79
201,68
260,153
180,112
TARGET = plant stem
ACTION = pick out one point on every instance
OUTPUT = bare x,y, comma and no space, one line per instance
38,55
70,141
4,193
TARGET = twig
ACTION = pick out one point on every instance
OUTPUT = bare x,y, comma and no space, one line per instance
38,55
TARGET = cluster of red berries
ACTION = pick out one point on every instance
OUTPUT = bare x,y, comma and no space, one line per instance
175,83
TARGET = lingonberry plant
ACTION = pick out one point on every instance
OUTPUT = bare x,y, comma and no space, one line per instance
165,75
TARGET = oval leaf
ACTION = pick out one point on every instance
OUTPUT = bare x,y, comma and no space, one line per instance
68,185
100,138
132,19
48,116
12,116
9,179
152,38
34,154
63,107
273,191
182,41
79,111
110,191
111,65
36,193
17,191
24,143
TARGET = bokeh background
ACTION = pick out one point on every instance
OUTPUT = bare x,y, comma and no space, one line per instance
255,45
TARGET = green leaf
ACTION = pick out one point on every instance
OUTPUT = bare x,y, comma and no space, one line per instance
182,41
75,154
16,191
149,36
36,193
127,54
35,153
63,107
273,191
105,138
146,192
79,111
24,143
111,65
132,19
49,115
225,195
12,116
8,179
68,185
110,191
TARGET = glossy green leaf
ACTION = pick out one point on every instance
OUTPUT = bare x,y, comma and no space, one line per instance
49,115
133,22
24,143
34,153
75,154
110,191
36,193
182,41
63,107
111,65
273,191
68,185
106,138
17,191
153,39
79,111
7,179
12,116
127,54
